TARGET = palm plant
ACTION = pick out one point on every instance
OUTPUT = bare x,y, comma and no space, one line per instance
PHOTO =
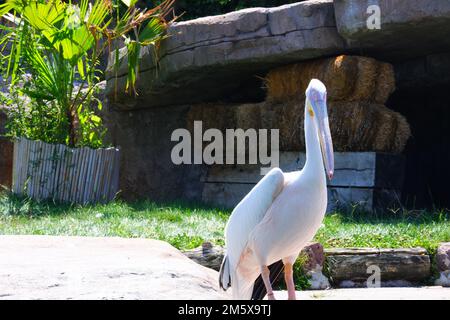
59,45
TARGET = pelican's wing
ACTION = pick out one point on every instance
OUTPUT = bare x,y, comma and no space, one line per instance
249,212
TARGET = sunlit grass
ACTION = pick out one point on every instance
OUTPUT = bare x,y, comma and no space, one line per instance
186,226
426,229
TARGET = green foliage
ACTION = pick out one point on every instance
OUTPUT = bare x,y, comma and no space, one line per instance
53,62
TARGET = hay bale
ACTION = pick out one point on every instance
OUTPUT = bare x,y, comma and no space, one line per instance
288,118
347,78
248,116
355,126
385,83
366,80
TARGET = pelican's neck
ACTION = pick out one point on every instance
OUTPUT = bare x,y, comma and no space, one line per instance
314,162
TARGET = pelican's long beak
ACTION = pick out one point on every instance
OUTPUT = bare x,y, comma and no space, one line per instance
326,143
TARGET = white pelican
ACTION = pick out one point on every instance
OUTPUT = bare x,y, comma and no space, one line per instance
281,213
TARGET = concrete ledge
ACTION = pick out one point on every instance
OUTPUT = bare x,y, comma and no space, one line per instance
370,180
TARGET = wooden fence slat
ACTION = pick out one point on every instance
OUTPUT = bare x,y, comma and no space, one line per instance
75,175
80,178
30,170
107,170
54,171
85,175
89,170
26,165
57,178
16,169
67,172
45,170
39,170
98,176
21,171
72,174
50,171
95,175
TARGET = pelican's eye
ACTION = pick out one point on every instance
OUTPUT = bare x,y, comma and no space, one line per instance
311,112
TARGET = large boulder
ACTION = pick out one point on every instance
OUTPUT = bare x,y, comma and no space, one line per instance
408,28
205,58
208,255
46,267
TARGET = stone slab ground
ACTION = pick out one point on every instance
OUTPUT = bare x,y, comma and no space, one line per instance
47,267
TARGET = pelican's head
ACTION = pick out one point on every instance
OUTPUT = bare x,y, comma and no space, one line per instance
316,102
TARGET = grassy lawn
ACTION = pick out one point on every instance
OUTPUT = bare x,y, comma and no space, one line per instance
187,226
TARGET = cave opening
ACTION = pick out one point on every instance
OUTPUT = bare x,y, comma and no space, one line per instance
423,97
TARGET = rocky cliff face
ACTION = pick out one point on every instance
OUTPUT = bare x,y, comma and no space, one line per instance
207,58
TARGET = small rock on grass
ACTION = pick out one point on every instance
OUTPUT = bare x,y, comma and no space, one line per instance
443,264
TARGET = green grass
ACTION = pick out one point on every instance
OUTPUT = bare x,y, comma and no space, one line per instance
187,226
183,226
405,230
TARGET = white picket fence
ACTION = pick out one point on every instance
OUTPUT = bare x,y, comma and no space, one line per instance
49,171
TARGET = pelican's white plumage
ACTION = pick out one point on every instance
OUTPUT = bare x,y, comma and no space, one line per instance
283,211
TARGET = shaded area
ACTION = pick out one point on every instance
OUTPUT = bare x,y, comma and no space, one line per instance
423,97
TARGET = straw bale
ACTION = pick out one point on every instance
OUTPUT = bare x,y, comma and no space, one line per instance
347,78
355,126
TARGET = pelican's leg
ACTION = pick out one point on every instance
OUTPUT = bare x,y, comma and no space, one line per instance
265,274
289,276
